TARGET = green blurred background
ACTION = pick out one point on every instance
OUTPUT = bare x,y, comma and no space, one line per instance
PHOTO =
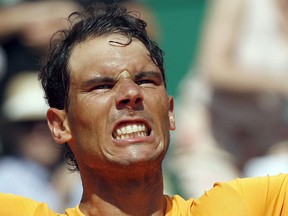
180,23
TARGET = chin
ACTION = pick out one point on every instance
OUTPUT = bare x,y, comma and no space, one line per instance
141,159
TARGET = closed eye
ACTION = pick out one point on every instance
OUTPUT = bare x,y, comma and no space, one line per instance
146,81
102,87
106,86
149,78
98,84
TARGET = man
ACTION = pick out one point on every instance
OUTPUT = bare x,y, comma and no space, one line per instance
116,115
113,112
105,85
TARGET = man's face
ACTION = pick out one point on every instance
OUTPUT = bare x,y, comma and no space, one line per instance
119,111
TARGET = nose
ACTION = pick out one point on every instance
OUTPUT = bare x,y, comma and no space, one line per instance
129,95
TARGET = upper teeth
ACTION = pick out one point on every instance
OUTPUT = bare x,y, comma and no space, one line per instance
131,131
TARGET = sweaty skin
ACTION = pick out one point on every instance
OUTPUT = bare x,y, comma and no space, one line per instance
124,75
117,126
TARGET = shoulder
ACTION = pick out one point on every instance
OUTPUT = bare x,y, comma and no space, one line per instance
176,205
221,200
271,185
264,195
14,205
241,197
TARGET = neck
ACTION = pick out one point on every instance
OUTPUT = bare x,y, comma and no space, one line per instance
123,193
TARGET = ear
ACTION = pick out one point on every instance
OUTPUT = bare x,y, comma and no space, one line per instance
171,113
58,124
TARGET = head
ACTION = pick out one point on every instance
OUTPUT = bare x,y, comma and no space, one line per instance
102,24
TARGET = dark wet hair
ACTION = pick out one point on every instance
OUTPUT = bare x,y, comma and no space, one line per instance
96,21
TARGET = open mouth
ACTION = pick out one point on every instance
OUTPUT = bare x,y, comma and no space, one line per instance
128,131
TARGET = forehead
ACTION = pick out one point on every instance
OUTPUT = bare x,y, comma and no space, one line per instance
110,55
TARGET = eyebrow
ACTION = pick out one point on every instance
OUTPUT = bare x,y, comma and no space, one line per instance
97,79
111,79
142,74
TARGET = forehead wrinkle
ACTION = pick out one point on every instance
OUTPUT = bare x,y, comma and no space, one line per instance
124,75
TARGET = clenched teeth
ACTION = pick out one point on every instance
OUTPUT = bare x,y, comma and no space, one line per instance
131,131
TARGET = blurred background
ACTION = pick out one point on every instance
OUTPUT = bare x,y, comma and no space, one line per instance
226,64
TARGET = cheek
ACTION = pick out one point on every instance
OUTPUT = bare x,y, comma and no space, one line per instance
88,117
160,111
